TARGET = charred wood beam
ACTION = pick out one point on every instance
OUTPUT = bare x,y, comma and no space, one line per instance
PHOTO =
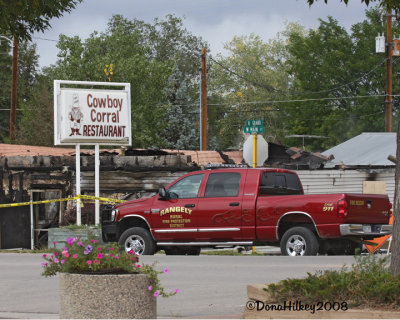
392,158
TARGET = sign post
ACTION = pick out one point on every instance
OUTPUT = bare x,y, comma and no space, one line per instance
91,117
254,150
254,127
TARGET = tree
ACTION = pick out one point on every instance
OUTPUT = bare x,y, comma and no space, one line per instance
27,73
339,78
254,71
24,17
36,125
158,60
387,4
19,19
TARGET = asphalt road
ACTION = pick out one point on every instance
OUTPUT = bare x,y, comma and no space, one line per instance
211,286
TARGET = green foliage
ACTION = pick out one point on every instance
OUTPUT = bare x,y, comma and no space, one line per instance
158,60
89,256
386,4
35,123
252,71
367,283
24,17
330,66
324,81
27,82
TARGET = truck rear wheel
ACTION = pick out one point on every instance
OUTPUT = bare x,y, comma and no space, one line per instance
139,240
299,241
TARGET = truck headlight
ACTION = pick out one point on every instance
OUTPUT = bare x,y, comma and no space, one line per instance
114,213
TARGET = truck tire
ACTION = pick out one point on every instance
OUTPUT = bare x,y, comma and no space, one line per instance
139,240
299,241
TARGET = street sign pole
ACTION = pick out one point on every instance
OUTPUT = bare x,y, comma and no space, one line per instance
254,150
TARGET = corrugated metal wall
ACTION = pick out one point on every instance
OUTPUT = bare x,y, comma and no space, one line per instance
346,181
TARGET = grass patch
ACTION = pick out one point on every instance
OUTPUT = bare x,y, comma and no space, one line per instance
368,283
44,250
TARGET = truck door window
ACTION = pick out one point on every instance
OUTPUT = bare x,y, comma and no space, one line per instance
279,183
187,187
222,184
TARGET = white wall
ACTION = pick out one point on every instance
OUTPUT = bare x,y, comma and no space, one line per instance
346,181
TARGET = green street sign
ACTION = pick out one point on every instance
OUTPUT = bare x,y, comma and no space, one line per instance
255,123
254,130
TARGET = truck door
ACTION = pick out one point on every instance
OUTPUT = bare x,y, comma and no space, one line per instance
175,218
220,208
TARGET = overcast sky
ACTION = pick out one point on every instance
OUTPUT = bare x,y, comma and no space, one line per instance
216,21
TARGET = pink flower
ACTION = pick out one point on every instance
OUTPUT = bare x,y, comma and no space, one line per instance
44,255
100,256
70,241
111,249
156,294
131,251
54,243
150,288
177,290
56,260
55,253
111,255
80,244
62,261
65,254
166,270
89,262
44,264
75,256
116,257
93,241
139,266
99,249
96,261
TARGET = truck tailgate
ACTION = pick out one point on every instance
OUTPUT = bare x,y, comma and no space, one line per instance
367,208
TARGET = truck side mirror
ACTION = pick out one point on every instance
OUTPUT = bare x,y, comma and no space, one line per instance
163,194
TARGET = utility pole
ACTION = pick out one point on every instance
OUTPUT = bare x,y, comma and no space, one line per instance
203,98
13,111
389,52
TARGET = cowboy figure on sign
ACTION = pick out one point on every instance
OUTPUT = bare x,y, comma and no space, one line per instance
75,116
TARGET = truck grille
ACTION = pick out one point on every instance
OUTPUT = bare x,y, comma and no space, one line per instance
106,214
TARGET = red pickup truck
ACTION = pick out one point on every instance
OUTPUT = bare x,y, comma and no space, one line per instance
243,206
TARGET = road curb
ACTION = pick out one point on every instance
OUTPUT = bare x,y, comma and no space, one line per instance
259,302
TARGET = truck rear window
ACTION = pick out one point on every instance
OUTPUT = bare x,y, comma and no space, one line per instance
279,183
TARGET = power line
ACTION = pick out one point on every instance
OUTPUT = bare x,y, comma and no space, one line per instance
286,101
305,92
39,38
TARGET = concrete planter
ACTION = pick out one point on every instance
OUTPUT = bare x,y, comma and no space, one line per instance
60,235
112,296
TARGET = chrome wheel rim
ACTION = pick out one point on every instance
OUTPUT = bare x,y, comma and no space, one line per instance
135,243
296,246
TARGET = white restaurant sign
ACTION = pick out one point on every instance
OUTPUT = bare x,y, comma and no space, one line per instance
92,116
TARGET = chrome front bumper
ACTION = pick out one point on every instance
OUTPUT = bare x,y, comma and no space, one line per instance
365,229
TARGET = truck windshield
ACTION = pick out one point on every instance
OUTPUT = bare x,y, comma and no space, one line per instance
279,183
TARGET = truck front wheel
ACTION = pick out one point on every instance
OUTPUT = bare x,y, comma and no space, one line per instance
299,241
139,240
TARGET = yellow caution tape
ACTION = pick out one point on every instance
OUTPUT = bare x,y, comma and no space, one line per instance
78,197
101,199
